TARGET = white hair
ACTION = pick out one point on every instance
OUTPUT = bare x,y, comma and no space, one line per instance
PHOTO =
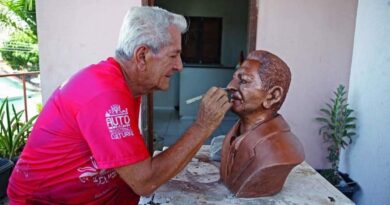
147,26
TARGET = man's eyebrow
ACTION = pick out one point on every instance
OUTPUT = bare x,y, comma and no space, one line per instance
177,51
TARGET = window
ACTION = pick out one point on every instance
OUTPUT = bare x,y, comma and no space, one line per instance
202,42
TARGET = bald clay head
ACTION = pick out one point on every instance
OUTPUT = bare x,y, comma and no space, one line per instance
259,151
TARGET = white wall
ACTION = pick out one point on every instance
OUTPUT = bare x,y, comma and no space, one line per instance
76,33
315,38
367,159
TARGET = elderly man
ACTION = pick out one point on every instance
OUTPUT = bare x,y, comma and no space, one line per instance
259,151
86,147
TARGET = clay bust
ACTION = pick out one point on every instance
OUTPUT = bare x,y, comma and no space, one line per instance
259,151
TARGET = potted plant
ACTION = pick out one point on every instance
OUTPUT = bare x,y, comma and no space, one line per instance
13,136
338,127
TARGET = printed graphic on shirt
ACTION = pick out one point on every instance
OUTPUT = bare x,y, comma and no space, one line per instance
23,168
118,122
95,175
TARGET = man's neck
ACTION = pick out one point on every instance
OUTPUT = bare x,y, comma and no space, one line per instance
129,73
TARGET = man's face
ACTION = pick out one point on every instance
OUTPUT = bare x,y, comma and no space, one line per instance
166,62
247,91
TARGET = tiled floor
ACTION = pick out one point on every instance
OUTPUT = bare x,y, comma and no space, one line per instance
167,124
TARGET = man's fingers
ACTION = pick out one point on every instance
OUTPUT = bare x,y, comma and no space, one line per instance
214,96
223,99
210,92
220,93
226,106
213,107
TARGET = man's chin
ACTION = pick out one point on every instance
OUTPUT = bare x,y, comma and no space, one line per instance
163,87
160,89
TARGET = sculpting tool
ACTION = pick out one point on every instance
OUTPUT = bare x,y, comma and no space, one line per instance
197,98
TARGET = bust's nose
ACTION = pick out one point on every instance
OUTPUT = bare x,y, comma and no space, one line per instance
233,85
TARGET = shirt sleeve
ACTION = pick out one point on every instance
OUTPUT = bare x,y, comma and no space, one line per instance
109,124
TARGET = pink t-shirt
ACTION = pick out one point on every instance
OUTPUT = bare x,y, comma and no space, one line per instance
88,127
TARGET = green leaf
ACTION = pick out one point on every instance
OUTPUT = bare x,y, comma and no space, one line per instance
350,119
352,126
348,112
329,106
325,111
324,120
323,129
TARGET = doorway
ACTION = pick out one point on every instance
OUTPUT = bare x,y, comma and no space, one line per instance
226,29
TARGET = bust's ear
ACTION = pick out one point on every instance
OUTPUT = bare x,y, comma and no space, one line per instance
274,96
139,56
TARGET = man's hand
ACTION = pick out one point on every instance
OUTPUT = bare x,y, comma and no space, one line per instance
214,105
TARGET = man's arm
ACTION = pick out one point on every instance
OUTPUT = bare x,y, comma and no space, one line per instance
146,176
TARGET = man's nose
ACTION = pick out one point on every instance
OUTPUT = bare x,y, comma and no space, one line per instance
178,65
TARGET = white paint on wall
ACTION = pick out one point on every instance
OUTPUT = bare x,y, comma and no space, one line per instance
315,38
367,159
74,34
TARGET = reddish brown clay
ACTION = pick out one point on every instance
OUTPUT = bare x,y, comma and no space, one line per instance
259,151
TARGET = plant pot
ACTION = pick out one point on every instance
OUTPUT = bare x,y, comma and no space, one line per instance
15,159
5,172
346,185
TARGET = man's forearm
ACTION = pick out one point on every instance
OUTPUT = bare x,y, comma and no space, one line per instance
146,176
168,163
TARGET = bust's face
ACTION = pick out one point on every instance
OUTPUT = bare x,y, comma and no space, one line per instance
247,91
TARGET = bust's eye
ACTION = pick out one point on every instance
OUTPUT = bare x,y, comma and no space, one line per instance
243,81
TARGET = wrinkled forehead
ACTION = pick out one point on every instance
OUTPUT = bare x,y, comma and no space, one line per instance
174,45
249,66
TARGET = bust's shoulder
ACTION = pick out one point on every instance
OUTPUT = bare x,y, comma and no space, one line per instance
279,144
282,149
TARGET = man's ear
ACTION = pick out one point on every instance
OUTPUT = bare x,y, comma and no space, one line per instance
140,53
274,96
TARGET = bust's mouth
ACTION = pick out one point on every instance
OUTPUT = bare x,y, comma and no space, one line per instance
236,97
